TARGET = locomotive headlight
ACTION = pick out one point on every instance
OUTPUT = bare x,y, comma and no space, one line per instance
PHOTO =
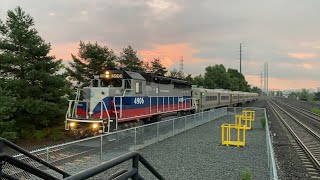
94,126
107,74
72,124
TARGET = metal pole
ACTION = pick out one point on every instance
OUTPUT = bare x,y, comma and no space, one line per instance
47,154
158,132
185,123
101,142
135,138
173,127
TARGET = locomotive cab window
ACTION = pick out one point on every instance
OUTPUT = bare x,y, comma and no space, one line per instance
111,83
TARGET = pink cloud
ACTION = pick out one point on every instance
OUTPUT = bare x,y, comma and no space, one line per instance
280,83
169,54
64,51
301,55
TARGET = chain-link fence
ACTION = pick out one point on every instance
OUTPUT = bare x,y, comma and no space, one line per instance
82,154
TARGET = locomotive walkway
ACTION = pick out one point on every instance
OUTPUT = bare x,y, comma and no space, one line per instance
198,154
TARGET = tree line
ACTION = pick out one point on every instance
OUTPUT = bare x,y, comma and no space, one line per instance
35,87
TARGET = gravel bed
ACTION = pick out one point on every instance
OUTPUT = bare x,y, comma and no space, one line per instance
198,154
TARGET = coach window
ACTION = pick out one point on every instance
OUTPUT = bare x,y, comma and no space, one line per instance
138,87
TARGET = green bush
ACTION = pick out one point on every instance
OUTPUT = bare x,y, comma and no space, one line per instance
263,122
246,174
56,135
40,134
315,110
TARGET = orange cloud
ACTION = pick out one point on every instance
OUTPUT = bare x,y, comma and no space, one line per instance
279,83
169,54
303,55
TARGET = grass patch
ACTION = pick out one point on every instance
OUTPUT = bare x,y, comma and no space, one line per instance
246,174
315,110
263,122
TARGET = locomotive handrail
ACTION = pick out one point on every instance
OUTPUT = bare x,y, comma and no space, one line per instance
104,104
28,154
133,173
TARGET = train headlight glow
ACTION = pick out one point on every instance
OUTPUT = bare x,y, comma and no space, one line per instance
72,124
94,126
107,74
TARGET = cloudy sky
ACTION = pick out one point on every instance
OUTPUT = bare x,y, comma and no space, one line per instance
286,33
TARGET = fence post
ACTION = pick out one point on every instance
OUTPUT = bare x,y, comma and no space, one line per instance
185,123
157,132
135,138
47,154
194,120
101,142
173,127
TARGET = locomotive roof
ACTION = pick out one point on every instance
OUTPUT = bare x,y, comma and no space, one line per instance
133,75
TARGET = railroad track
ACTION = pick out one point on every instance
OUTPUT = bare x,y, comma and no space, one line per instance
304,140
303,111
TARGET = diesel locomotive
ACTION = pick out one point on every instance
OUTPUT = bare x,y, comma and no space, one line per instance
118,99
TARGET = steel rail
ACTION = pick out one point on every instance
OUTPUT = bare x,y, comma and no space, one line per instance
295,136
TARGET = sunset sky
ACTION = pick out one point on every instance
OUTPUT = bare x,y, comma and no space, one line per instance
286,33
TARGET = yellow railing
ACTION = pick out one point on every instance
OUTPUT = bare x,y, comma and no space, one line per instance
226,138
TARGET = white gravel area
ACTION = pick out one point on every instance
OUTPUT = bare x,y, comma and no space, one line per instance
198,154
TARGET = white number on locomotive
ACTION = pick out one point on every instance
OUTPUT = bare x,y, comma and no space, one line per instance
138,100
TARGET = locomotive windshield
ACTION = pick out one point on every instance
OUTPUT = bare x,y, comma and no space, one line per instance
106,83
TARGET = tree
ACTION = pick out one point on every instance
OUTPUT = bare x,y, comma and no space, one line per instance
7,107
293,95
189,78
237,81
157,67
29,74
304,95
146,66
317,96
176,74
255,89
89,62
217,77
129,60
199,80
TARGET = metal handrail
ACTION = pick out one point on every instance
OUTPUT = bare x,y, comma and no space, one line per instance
28,154
134,173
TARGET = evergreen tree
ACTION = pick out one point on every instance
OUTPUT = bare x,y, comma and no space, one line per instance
157,67
129,60
189,78
90,61
176,74
7,107
30,74
146,66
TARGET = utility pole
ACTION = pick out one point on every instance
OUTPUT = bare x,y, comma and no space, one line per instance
267,78
261,80
240,56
